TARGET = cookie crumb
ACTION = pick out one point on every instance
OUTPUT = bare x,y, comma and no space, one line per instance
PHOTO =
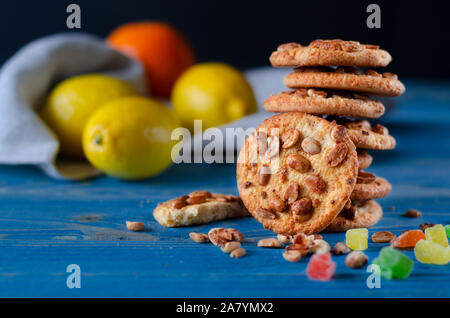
286,239
320,247
424,226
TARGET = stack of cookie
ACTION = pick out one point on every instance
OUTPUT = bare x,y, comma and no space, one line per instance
303,170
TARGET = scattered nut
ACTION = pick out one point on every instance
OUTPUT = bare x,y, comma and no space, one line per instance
413,213
269,243
304,250
382,237
341,248
424,226
238,253
135,226
199,237
292,256
311,146
290,138
230,246
298,163
286,239
220,236
301,239
356,259
320,247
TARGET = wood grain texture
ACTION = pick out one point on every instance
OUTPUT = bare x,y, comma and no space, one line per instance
46,225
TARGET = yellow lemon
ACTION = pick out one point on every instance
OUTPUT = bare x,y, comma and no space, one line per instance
215,93
73,101
130,137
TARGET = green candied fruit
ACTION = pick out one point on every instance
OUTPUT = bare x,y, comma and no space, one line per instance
394,264
447,230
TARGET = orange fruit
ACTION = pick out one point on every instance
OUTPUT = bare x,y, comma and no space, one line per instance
162,50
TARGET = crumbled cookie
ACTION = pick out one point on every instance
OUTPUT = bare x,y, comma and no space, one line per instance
345,78
321,102
198,208
324,180
330,52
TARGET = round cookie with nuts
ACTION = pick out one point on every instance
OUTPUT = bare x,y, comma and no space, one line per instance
323,102
345,78
366,136
359,215
330,52
296,172
368,186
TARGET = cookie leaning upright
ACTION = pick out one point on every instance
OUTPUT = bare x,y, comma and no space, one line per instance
296,172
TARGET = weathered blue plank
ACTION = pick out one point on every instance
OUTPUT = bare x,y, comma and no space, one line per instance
46,225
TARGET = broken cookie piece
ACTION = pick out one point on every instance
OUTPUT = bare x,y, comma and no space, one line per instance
199,207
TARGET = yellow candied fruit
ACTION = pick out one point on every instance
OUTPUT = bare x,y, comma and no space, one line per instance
437,234
432,253
356,239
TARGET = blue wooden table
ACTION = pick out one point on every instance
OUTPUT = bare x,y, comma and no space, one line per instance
45,225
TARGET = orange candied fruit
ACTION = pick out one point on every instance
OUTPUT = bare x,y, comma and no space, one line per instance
408,239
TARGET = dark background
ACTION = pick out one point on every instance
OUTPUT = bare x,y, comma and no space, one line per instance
243,33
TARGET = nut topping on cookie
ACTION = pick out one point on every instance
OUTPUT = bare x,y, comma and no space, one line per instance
315,184
180,202
291,193
264,175
372,73
380,129
276,204
198,197
273,147
337,155
265,214
339,132
298,163
365,177
290,138
301,207
311,146
261,142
